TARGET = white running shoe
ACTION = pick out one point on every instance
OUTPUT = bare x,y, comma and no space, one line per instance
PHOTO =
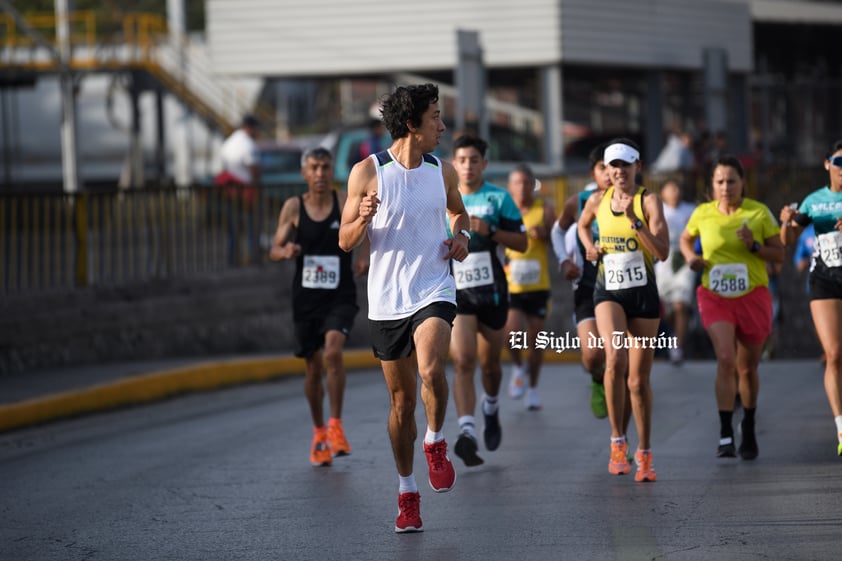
532,401
676,356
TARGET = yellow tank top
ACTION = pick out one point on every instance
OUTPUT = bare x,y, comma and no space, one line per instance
528,271
625,263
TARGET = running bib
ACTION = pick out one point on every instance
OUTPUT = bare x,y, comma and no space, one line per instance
830,248
320,271
475,270
624,270
525,271
729,280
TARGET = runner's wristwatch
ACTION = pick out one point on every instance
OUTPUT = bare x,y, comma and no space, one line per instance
465,233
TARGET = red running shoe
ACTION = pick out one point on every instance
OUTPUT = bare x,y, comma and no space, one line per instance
409,513
442,474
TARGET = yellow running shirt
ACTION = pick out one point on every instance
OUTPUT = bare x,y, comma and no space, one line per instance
625,263
528,271
732,269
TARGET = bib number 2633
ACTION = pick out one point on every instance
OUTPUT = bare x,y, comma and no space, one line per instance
474,271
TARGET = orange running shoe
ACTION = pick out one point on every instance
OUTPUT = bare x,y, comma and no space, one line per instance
320,450
619,464
645,471
336,436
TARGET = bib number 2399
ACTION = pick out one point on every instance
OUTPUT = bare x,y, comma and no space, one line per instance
624,270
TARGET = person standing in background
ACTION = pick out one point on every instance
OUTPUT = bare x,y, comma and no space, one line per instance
240,179
676,281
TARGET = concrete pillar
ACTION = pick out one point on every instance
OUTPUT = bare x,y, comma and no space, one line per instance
471,83
654,116
552,107
716,88
739,140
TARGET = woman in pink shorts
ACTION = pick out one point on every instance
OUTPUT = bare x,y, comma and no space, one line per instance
738,236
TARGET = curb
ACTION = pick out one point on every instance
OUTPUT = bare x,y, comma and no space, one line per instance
155,386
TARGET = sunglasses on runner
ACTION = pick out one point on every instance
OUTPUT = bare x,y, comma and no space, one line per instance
836,161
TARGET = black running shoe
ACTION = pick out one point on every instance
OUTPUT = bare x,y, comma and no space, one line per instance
492,434
726,448
748,447
466,448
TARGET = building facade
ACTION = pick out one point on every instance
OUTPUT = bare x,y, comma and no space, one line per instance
591,68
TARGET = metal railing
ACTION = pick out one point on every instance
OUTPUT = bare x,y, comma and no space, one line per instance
58,241
62,241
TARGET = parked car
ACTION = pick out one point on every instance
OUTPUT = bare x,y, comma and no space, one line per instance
345,144
280,164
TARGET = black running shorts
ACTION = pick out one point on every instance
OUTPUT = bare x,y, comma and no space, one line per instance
394,339
310,332
823,289
535,303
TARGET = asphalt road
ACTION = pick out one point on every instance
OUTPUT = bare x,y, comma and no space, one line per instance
225,476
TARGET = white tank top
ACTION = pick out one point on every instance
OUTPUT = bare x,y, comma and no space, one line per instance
407,270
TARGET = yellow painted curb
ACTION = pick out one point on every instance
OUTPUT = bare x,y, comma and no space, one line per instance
167,383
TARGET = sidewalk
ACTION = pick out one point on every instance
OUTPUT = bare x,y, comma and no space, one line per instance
45,395
40,396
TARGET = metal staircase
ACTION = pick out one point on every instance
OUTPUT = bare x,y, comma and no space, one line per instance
138,42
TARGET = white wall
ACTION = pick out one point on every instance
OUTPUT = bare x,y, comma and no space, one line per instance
661,33
339,37
318,37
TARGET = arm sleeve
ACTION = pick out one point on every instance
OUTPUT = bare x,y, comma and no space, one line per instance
557,236
571,242
803,218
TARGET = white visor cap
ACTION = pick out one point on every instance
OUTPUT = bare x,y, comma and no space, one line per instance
622,152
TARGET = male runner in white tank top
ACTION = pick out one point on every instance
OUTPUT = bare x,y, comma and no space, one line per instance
400,199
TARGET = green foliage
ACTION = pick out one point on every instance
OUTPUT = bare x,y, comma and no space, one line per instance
112,9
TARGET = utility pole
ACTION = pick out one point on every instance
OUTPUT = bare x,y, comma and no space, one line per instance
176,22
69,156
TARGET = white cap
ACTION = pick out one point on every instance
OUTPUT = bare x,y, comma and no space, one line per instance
622,152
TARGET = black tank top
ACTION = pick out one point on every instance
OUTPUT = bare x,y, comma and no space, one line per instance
323,274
